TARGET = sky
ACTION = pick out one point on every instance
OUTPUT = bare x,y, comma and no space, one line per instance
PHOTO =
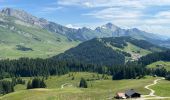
148,15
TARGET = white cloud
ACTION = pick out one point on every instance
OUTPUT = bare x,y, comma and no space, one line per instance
87,4
127,13
101,3
115,13
155,2
109,3
158,29
49,9
163,14
68,2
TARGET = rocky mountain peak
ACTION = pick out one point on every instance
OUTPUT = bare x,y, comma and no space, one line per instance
6,11
20,14
110,26
23,16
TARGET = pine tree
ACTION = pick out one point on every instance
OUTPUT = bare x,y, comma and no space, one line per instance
36,83
168,76
73,78
83,83
29,85
6,87
42,84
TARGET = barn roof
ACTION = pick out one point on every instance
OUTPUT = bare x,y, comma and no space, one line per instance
130,92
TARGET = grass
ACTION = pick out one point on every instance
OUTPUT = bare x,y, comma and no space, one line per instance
97,89
162,88
130,48
135,49
158,64
44,43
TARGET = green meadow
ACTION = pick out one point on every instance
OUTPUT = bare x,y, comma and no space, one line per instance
158,64
98,88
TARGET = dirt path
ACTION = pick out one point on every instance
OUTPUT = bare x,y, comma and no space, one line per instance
152,92
62,86
41,89
157,98
152,95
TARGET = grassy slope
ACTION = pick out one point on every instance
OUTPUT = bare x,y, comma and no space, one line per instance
98,90
133,48
130,48
136,52
166,65
48,46
162,88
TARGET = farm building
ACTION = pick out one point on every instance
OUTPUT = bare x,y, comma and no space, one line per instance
132,94
120,96
128,94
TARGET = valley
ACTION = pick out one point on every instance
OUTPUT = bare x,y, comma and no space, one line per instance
43,60
97,89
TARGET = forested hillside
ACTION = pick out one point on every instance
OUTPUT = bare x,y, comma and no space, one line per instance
109,51
158,56
94,52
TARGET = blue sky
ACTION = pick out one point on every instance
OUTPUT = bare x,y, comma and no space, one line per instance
148,15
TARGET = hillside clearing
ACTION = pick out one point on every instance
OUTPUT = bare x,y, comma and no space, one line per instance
160,64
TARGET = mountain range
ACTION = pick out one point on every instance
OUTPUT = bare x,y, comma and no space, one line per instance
24,35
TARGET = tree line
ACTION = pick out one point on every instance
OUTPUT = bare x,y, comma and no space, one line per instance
153,57
157,56
8,86
26,67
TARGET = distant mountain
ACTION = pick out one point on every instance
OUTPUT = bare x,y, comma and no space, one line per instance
82,34
165,43
22,35
109,51
108,30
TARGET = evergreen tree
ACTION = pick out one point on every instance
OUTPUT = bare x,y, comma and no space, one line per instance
29,85
42,84
83,83
73,78
6,87
168,76
36,83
